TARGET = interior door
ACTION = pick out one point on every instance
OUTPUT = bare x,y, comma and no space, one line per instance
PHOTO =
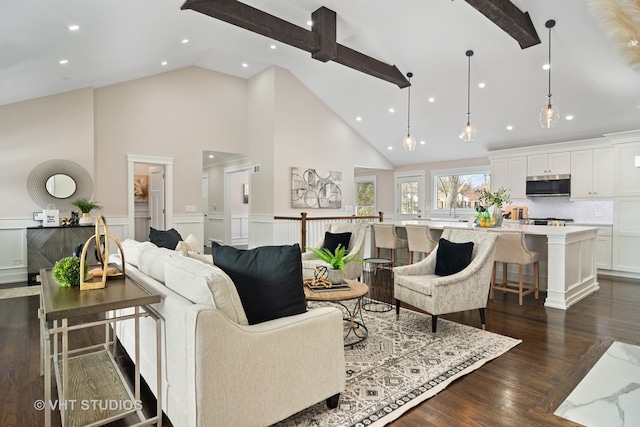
156,197
409,197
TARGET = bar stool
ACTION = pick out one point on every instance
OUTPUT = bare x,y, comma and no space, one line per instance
386,238
512,249
419,240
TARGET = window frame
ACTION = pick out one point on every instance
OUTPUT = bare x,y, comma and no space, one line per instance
467,170
365,179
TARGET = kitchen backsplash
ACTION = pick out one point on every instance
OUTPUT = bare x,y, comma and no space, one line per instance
591,212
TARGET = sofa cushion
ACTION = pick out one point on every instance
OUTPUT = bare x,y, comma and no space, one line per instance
190,244
165,239
268,279
152,261
132,250
452,257
204,284
333,240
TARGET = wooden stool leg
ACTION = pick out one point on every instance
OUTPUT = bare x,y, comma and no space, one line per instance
410,257
520,271
393,257
378,253
536,274
505,267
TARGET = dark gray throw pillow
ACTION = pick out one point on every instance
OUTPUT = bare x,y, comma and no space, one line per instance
451,257
165,239
332,240
268,279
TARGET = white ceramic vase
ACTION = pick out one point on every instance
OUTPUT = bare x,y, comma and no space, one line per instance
86,219
335,276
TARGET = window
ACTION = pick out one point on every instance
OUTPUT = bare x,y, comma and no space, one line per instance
365,196
457,188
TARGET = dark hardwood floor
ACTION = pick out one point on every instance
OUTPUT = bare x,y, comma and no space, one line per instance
522,387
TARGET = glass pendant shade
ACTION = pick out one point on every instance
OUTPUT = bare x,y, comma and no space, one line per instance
549,115
469,132
409,142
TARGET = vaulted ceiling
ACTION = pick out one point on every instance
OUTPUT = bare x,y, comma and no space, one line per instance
120,40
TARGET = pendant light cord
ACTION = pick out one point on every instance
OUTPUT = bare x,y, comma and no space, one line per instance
469,55
550,24
409,75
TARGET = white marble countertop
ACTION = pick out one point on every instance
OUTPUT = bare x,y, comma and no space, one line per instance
536,230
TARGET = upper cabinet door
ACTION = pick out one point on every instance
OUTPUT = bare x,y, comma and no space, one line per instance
549,164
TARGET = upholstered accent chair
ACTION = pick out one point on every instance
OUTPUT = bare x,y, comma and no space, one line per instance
512,249
417,284
352,270
386,238
419,240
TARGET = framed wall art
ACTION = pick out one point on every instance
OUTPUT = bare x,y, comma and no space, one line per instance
315,188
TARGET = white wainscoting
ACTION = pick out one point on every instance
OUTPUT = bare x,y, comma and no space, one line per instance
239,228
190,224
216,228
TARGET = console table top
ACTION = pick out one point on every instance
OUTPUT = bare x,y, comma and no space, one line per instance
59,303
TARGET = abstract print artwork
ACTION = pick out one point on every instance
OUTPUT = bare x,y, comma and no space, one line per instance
315,188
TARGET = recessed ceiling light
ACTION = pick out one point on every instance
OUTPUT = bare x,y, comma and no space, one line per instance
546,66
392,110
569,117
389,148
245,65
185,41
273,46
310,23
509,127
63,61
359,118
74,27
422,142
211,156
432,99
481,85
633,43
163,63
460,136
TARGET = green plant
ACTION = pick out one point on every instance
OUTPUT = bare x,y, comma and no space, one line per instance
498,197
336,259
86,205
66,272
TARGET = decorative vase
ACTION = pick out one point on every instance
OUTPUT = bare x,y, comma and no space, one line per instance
335,276
497,215
86,219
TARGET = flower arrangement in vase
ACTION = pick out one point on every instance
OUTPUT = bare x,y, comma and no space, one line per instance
495,199
336,259
86,206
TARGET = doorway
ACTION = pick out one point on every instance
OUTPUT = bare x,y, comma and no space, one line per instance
409,195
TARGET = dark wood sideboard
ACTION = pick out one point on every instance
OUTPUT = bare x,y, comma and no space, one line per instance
46,245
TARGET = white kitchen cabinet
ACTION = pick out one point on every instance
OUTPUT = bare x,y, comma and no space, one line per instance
510,173
549,163
626,234
592,173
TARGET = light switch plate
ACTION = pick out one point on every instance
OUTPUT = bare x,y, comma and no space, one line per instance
191,208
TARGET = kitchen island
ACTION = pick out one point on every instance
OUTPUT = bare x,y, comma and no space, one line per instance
567,257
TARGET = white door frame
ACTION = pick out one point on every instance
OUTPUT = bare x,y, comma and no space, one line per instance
168,179
398,176
227,198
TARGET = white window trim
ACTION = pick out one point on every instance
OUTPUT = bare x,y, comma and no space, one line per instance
368,178
420,174
467,170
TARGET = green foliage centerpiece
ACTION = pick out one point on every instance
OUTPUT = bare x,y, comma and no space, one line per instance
336,259
495,199
66,272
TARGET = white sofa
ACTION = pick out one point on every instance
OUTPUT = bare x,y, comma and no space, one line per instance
216,369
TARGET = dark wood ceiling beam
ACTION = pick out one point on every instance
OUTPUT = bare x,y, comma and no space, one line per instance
320,42
512,20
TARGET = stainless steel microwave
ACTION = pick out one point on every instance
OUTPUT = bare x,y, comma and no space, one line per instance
548,186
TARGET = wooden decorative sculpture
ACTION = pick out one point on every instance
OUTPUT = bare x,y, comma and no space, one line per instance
91,281
320,277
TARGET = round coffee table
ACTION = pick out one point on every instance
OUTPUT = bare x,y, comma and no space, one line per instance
356,331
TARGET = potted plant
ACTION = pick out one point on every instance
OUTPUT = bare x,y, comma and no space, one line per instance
86,206
66,272
336,259
495,199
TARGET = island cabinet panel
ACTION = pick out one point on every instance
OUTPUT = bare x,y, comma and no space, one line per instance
626,234
46,245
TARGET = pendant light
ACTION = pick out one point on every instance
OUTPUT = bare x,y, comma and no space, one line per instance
409,142
549,114
468,130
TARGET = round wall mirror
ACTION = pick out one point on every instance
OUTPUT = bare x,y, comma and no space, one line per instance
59,182
61,186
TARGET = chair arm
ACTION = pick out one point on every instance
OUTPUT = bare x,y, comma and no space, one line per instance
421,268
308,255
267,371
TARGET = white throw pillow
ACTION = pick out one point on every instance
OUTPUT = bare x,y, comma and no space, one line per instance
152,262
132,250
204,284
190,244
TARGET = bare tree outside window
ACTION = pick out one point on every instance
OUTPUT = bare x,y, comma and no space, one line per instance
460,191
409,199
365,198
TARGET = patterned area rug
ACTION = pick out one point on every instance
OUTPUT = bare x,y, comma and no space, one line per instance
399,366
22,291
